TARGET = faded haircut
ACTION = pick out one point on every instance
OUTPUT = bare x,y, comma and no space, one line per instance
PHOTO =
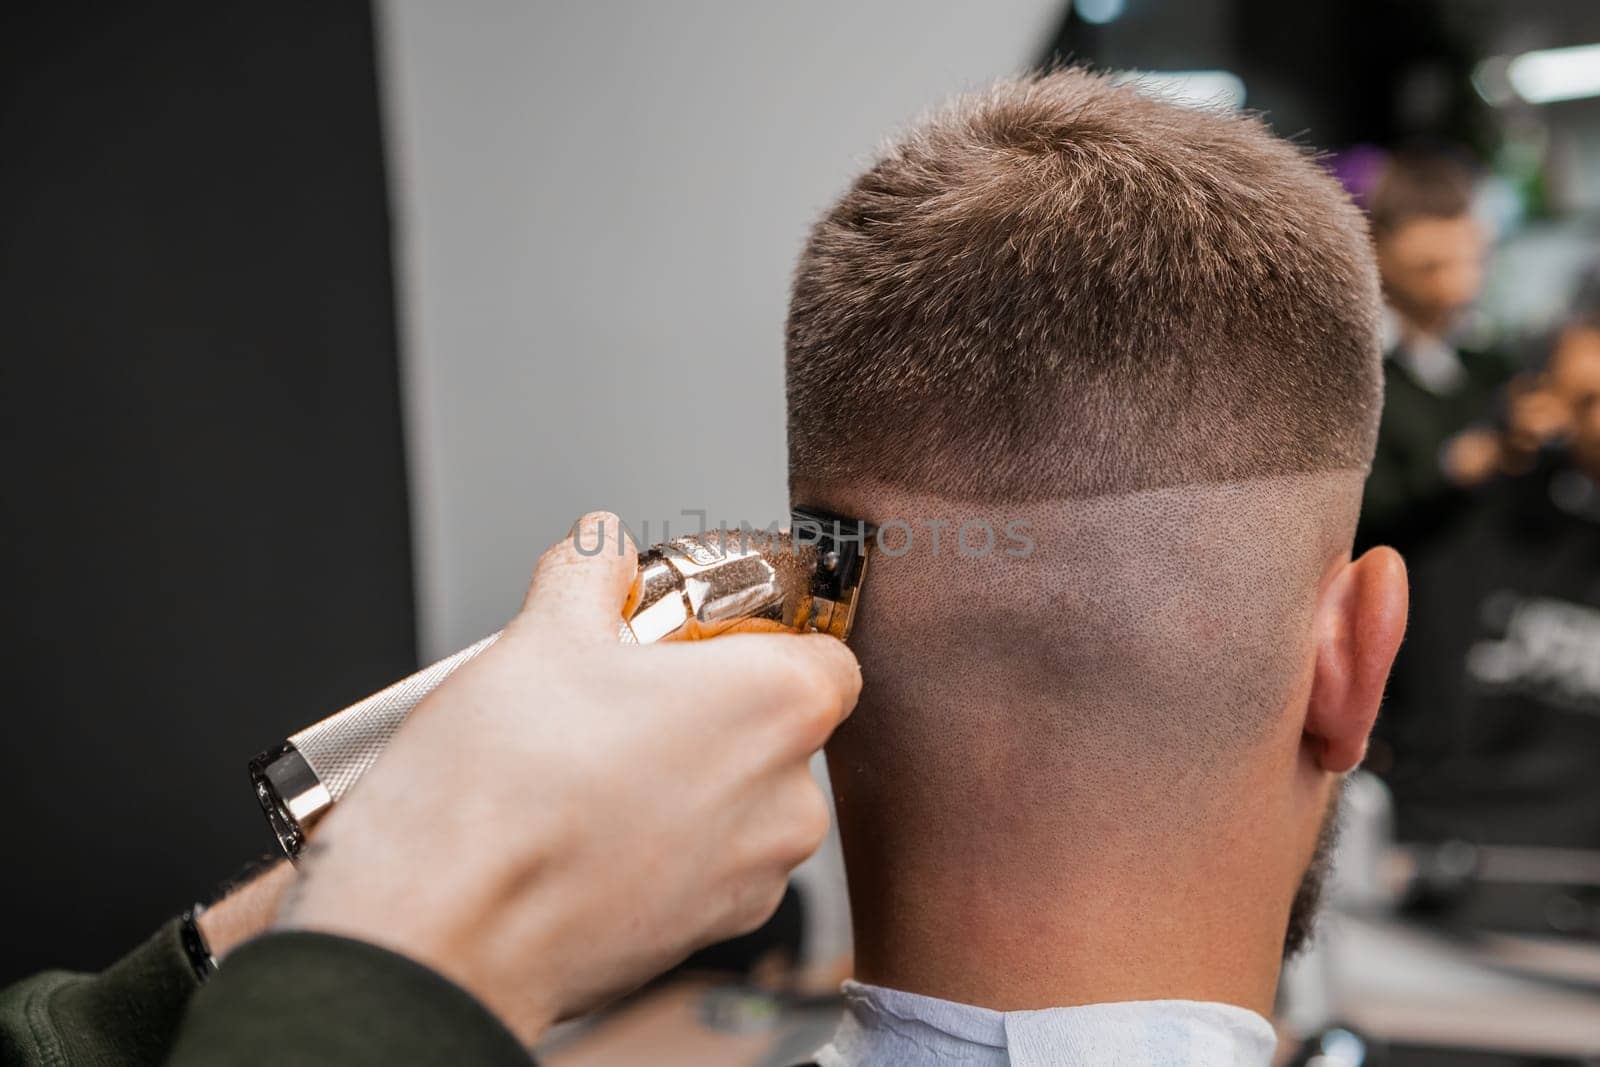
1065,287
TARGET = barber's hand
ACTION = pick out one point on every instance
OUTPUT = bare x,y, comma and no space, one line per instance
567,817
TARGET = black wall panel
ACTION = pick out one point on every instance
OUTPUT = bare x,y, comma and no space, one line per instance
205,528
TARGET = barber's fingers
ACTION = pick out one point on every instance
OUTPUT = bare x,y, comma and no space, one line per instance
581,583
780,829
806,684
804,817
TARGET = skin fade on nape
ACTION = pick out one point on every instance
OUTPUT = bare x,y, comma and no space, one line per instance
1148,633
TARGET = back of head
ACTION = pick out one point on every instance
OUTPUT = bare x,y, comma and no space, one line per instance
1137,344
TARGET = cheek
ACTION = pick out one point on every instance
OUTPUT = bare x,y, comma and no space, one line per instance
1410,282
1461,284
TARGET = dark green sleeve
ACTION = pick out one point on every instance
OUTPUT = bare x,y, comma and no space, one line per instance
310,999
288,998
126,1014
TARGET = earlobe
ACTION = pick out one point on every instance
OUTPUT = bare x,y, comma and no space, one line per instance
1360,621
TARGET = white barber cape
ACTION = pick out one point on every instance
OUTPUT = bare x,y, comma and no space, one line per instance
888,1028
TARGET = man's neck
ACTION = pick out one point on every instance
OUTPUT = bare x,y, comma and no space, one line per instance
1003,914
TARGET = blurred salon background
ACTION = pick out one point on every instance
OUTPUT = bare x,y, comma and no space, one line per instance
319,321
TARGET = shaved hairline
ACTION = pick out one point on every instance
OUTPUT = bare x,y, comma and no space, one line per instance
1171,622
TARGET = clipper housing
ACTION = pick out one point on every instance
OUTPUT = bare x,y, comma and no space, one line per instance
690,588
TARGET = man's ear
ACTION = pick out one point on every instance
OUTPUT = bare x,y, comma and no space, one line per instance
1360,620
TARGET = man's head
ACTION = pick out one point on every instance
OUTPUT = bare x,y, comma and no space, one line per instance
1144,340
1430,247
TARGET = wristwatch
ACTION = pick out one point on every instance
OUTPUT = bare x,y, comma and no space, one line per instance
194,944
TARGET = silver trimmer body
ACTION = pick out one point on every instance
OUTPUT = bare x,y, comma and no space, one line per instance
691,588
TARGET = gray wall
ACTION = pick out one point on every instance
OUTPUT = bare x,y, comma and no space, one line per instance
598,206
597,209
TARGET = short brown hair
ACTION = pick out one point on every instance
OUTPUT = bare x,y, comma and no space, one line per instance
1416,186
1063,286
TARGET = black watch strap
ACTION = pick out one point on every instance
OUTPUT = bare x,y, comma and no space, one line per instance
194,944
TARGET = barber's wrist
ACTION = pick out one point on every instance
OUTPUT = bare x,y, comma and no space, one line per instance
446,922
245,910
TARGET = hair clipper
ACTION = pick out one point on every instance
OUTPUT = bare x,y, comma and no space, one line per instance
690,588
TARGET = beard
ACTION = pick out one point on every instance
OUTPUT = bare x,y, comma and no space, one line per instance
1308,896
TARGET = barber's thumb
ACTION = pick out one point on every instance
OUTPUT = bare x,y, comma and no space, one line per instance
581,583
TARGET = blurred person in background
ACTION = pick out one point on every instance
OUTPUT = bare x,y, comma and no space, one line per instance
1544,408
1492,716
1432,444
